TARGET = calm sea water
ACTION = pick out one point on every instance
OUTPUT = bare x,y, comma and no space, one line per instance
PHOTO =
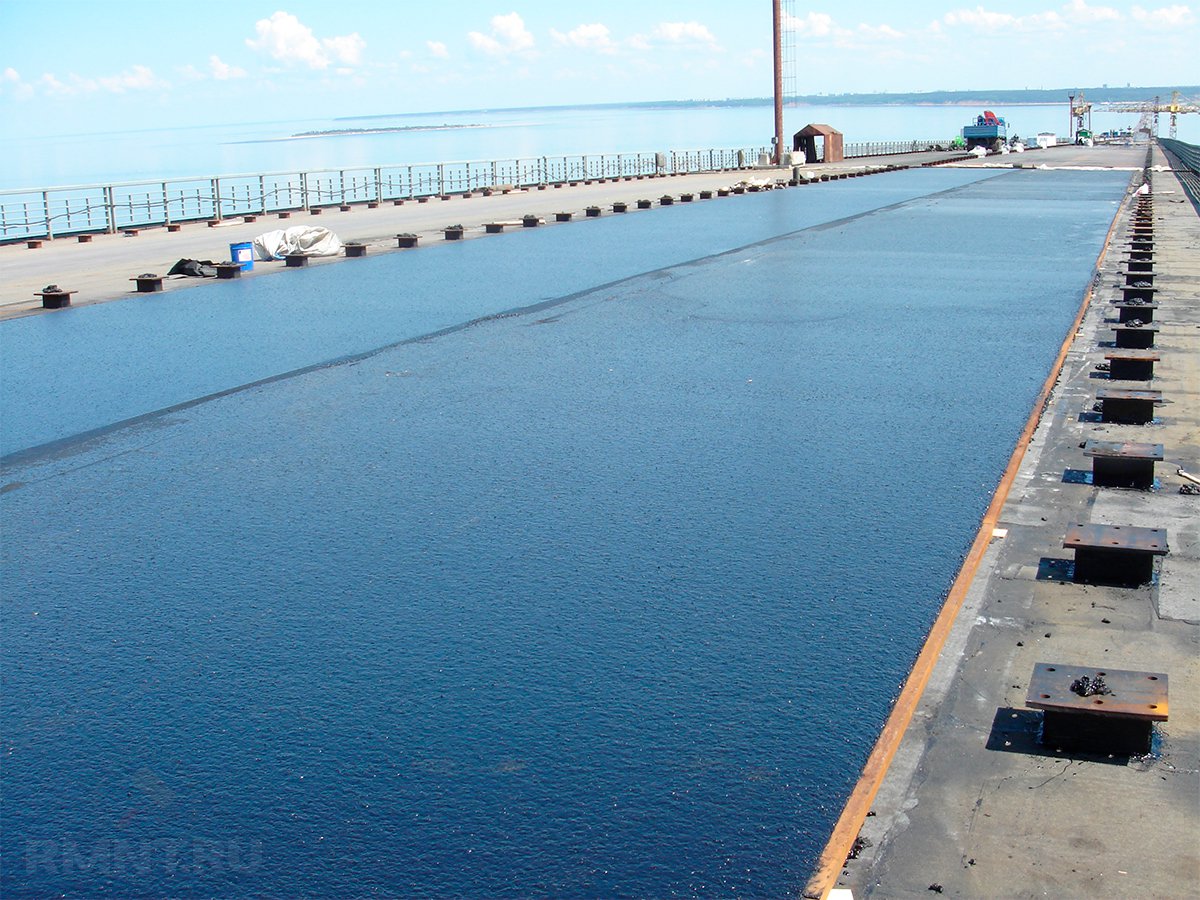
264,147
605,597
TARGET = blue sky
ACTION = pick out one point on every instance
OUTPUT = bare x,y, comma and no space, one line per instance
72,66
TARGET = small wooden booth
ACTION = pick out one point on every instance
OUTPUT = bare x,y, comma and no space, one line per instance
830,148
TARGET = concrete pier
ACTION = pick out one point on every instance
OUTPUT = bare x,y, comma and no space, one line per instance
964,796
234,396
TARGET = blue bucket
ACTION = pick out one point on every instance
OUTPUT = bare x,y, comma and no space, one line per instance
243,254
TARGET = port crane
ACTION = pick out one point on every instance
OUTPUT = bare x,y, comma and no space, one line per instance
1081,116
1150,111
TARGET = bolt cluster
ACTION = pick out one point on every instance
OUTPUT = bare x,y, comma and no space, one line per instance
1089,687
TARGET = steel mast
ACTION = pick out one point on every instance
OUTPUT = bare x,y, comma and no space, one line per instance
777,28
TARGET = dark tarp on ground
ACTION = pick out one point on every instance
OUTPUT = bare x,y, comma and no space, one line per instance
195,268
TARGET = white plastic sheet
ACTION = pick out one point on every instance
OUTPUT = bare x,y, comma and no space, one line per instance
302,240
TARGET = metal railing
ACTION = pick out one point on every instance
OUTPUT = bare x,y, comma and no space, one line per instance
891,148
44,213
1185,160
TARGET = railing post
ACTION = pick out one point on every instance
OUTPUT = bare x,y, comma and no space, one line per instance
304,191
378,185
441,179
110,210
46,213
216,188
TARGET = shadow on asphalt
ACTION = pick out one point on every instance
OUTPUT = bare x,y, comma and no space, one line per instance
1020,731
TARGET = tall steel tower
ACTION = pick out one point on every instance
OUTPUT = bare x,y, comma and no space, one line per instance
777,30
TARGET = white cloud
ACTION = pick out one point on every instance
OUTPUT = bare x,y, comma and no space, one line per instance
823,26
813,25
1077,12
53,86
137,78
594,36
1081,12
684,33
509,35
437,49
346,49
512,30
287,39
1164,17
980,18
222,71
11,81
879,33
1043,21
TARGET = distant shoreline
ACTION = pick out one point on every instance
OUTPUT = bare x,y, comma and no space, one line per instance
344,132
386,130
993,98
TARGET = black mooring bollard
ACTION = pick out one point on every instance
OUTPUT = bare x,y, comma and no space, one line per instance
148,283
54,297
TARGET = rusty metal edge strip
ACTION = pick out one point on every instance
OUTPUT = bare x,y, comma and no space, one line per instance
833,858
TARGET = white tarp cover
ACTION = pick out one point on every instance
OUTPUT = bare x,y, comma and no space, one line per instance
301,240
